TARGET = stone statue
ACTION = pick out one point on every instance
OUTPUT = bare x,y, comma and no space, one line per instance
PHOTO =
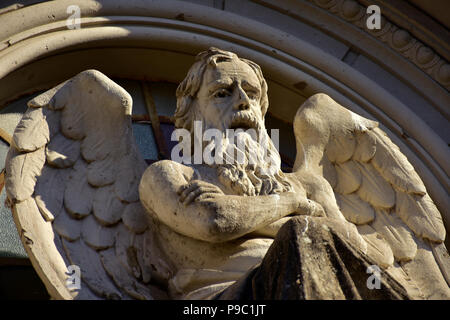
352,221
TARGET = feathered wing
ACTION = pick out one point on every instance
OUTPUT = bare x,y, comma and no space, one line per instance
72,176
372,184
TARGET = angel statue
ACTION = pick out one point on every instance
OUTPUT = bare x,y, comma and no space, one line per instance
353,219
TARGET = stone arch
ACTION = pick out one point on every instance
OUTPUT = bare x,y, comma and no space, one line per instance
396,77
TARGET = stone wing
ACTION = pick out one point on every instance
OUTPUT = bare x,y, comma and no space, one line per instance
72,176
377,189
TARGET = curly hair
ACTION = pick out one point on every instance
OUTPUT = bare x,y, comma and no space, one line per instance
189,87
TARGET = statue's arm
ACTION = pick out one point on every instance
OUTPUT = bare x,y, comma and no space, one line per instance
218,219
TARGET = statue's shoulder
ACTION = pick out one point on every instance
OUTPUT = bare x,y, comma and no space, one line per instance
171,166
166,172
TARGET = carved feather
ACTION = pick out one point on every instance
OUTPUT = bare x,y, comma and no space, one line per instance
107,207
424,260
365,147
102,172
421,215
53,119
397,234
32,132
98,145
62,152
89,115
61,95
44,99
95,235
130,170
72,120
50,203
79,195
390,187
22,170
348,177
124,251
92,271
394,166
67,227
377,247
122,278
134,217
341,148
46,214
37,237
374,189
354,209
442,257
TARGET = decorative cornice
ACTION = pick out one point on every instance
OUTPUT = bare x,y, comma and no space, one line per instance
397,38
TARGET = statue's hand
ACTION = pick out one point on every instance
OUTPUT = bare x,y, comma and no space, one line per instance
198,190
310,208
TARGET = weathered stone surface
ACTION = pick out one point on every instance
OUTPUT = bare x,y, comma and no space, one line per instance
290,270
134,217
22,170
67,227
32,132
79,194
62,152
233,217
96,235
50,203
91,268
37,237
107,208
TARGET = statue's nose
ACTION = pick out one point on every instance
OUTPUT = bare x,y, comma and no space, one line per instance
243,102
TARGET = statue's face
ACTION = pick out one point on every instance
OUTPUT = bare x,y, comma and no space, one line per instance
229,96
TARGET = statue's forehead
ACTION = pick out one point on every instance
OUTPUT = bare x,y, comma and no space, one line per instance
229,71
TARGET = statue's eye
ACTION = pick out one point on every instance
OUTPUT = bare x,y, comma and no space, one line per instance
252,95
221,93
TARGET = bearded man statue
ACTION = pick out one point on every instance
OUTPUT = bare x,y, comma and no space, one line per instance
231,224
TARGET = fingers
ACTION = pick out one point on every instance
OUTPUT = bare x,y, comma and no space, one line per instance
191,196
196,183
198,194
197,190
318,211
205,196
310,208
186,189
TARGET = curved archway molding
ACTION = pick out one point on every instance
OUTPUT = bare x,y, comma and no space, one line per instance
158,40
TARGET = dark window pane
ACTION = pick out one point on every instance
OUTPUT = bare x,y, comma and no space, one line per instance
167,130
145,140
164,96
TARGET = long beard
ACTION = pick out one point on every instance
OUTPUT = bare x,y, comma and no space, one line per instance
250,164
